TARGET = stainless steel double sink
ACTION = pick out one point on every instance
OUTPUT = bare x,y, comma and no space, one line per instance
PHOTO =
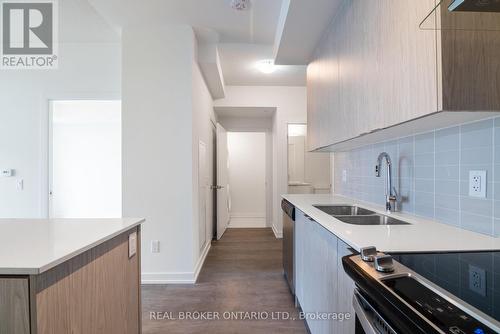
353,214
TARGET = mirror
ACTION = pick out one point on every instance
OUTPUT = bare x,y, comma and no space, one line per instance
308,172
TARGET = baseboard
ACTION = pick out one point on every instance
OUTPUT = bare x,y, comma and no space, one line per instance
201,260
168,278
177,277
277,234
247,221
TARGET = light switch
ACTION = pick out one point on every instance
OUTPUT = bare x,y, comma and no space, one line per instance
132,244
7,172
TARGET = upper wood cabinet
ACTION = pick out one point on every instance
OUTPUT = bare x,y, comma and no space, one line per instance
375,68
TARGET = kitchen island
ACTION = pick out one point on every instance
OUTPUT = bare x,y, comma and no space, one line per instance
62,276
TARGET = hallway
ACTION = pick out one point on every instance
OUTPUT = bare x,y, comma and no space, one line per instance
242,273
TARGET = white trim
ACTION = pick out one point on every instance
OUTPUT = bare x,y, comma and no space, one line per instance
201,260
177,277
247,220
278,235
168,278
248,215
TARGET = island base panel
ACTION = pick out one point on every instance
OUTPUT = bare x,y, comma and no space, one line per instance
93,293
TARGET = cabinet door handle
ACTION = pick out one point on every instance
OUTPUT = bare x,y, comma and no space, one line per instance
310,219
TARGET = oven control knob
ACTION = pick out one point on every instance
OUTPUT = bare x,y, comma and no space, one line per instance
384,264
368,253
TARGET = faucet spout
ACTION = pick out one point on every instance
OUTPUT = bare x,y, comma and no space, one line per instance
390,192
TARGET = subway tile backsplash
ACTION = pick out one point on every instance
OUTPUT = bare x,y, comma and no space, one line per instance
431,174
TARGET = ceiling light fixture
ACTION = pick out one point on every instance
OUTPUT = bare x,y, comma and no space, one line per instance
266,66
240,4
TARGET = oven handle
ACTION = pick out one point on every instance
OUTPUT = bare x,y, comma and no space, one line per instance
366,315
363,316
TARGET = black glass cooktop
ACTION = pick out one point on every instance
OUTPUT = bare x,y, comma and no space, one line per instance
443,314
472,277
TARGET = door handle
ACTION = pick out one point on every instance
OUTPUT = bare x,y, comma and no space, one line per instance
216,187
368,316
363,316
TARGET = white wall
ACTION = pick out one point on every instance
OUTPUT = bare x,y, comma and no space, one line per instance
166,111
291,104
86,159
89,67
247,178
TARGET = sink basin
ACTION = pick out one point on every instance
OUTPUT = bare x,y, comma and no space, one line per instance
344,210
371,220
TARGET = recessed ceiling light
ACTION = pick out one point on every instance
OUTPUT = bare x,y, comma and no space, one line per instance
266,66
240,4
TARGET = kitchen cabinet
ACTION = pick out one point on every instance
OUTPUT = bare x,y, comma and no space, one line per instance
345,291
375,68
14,305
322,288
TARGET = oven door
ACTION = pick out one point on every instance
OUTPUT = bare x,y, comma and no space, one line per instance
368,319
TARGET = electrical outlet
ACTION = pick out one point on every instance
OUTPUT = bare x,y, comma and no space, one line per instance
155,246
477,183
344,175
477,280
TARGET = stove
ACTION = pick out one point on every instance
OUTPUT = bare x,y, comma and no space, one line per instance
455,293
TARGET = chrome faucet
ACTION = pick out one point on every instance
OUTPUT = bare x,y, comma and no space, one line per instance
390,191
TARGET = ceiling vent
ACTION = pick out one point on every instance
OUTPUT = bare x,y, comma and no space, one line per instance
240,4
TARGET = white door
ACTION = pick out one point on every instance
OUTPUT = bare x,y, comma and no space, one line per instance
85,159
222,182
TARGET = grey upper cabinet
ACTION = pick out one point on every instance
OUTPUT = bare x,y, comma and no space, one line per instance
375,68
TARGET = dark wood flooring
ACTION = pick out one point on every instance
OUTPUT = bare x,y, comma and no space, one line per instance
242,274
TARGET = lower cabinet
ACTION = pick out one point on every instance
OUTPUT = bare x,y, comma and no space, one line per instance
322,288
14,305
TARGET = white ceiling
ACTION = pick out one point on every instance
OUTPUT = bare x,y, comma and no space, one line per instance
238,62
256,25
245,112
245,36
301,29
95,29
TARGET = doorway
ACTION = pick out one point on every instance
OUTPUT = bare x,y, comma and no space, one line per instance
247,179
85,178
239,128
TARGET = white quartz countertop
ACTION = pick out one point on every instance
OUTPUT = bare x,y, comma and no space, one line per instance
33,246
422,235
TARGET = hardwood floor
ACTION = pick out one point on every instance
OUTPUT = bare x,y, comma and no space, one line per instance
242,273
